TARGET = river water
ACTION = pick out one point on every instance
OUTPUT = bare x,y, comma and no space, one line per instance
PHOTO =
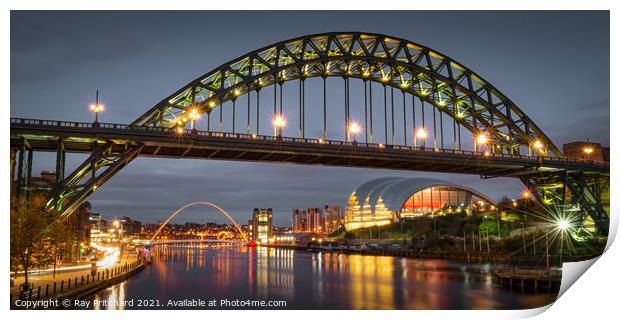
183,277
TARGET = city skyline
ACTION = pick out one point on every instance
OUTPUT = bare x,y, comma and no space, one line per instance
134,71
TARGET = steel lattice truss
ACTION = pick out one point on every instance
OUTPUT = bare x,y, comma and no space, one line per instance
431,76
100,166
582,191
415,69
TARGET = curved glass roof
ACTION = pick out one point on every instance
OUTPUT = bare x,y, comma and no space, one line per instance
395,190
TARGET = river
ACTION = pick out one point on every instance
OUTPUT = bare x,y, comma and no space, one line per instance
212,276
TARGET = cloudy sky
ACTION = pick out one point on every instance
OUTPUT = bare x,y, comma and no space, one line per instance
553,65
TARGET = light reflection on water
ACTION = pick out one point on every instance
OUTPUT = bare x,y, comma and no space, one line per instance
316,280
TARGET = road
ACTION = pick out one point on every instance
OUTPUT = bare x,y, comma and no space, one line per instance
42,278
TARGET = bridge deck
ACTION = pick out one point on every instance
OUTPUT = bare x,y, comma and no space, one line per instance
78,137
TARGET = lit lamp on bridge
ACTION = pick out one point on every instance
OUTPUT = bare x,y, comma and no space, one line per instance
420,134
193,116
279,122
481,139
354,128
96,107
539,147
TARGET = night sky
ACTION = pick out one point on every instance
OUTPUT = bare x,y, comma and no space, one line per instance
553,65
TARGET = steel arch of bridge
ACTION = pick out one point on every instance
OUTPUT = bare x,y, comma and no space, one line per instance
191,204
431,76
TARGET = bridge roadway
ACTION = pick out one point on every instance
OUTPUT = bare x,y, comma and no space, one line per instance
162,242
79,137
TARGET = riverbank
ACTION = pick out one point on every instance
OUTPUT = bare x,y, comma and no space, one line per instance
460,256
59,292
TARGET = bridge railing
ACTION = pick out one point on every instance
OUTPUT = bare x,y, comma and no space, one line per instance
229,135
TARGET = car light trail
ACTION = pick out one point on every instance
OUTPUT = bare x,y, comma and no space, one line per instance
111,255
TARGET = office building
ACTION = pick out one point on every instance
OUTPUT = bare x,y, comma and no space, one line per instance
260,227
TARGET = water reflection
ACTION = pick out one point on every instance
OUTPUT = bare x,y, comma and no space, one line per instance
316,280
112,296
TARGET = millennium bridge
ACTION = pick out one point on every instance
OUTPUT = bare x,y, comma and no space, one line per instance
429,113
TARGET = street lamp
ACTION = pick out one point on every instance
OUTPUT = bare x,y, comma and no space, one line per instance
539,147
563,224
354,128
422,135
193,116
96,107
526,195
481,139
279,122
588,152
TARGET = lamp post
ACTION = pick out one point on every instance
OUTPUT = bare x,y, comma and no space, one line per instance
526,195
547,250
587,151
354,128
481,139
422,135
523,236
193,116
539,147
499,235
488,247
279,122
96,107
563,225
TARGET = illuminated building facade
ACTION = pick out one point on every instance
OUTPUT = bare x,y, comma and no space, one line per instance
97,225
300,220
43,183
334,218
260,228
585,150
131,227
308,220
386,200
315,220
318,220
79,228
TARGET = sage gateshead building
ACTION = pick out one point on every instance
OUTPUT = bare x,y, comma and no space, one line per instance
386,200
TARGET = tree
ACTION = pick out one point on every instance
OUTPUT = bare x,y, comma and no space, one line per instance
34,236
504,203
488,227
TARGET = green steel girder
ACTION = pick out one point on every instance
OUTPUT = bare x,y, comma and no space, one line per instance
100,166
24,167
433,77
581,191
